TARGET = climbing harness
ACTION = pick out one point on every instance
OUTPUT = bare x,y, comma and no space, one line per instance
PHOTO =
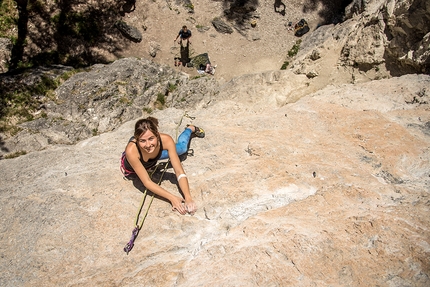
123,169
138,225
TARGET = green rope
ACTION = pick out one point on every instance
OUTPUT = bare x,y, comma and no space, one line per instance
138,226
145,193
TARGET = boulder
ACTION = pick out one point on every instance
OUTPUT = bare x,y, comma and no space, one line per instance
221,26
129,31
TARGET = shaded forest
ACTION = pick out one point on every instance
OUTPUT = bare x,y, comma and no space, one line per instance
68,32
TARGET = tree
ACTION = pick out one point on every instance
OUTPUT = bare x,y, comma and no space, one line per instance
18,47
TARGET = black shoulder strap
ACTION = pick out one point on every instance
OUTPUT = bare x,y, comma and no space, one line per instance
138,149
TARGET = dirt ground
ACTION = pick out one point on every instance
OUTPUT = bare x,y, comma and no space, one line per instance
263,48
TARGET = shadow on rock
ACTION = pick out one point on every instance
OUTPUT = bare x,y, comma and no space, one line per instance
75,31
3,147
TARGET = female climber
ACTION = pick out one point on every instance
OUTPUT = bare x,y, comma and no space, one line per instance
147,146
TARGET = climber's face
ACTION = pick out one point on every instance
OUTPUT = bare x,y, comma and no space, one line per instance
148,141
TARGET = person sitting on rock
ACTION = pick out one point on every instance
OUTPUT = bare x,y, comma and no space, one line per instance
147,146
184,34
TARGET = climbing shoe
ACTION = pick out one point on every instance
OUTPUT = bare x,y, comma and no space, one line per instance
199,132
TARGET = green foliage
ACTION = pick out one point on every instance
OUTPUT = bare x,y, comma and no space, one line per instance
8,17
147,110
189,6
172,87
161,98
295,49
20,103
15,154
125,100
67,75
35,5
13,39
55,19
120,83
291,53
285,65
24,65
45,85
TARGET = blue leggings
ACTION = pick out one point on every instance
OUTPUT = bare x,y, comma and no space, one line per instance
181,145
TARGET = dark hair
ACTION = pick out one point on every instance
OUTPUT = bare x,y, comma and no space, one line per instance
142,125
183,27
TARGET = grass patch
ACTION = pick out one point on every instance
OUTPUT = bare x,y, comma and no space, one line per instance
67,75
19,103
172,87
147,110
161,98
8,18
125,100
189,6
285,65
291,53
15,154
295,49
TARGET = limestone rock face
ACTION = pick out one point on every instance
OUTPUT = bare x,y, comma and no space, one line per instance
328,190
387,38
101,99
408,28
313,176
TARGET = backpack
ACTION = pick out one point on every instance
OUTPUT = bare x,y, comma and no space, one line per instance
301,28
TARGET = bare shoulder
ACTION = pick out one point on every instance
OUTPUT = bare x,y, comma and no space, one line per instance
167,141
131,147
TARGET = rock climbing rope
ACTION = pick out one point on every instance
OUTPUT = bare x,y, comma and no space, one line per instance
138,226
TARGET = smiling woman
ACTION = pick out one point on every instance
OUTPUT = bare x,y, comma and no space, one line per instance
147,146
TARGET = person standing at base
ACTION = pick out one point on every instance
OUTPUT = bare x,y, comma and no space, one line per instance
184,34
147,146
